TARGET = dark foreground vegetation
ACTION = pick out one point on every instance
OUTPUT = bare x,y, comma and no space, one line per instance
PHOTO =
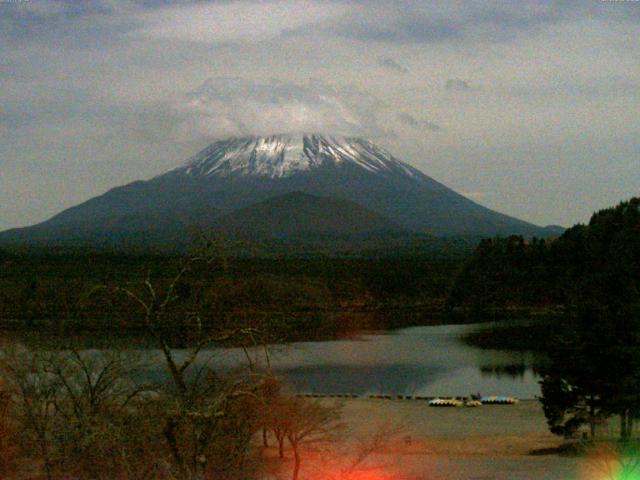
67,412
308,298
588,280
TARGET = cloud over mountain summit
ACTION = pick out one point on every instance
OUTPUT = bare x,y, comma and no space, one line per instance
534,101
231,106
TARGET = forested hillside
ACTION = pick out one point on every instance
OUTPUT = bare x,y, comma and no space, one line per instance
599,261
590,277
308,297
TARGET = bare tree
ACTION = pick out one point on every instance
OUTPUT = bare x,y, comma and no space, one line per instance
7,425
33,391
308,424
98,433
354,459
73,406
197,404
314,427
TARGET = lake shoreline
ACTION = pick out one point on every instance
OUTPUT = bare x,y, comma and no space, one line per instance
423,361
493,441
385,320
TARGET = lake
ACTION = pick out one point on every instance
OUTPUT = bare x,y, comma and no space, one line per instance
429,361
426,361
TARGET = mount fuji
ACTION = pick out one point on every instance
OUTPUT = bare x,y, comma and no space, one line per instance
274,187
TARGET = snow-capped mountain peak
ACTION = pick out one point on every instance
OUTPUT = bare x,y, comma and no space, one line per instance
284,155
267,187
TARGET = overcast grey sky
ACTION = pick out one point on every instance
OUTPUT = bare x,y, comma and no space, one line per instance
531,108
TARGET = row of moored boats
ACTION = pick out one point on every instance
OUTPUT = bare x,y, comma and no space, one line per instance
433,401
474,402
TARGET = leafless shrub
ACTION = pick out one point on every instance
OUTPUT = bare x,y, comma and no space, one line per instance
33,391
73,412
205,418
7,433
306,424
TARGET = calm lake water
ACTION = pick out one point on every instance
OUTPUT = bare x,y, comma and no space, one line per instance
429,361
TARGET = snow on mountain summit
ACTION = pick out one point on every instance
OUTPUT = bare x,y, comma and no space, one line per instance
280,156
273,186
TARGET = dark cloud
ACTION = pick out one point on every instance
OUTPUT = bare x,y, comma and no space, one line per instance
86,21
399,30
56,22
391,64
405,21
411,121
412,21
71,9
457,85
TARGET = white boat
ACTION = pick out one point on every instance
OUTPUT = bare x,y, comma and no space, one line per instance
445,402
499,400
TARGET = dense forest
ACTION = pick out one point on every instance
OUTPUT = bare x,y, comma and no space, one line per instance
319,296
597,260
588,280
326,295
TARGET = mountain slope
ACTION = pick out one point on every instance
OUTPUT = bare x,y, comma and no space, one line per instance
342,167
230,175
303,215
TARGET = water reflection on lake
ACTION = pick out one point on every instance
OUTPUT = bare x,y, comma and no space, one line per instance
429,361
414,361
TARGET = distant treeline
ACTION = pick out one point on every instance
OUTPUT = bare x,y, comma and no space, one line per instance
588,281
374,245
322,295
598,260
307,297
589,267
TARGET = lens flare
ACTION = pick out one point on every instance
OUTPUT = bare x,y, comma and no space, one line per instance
611,462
